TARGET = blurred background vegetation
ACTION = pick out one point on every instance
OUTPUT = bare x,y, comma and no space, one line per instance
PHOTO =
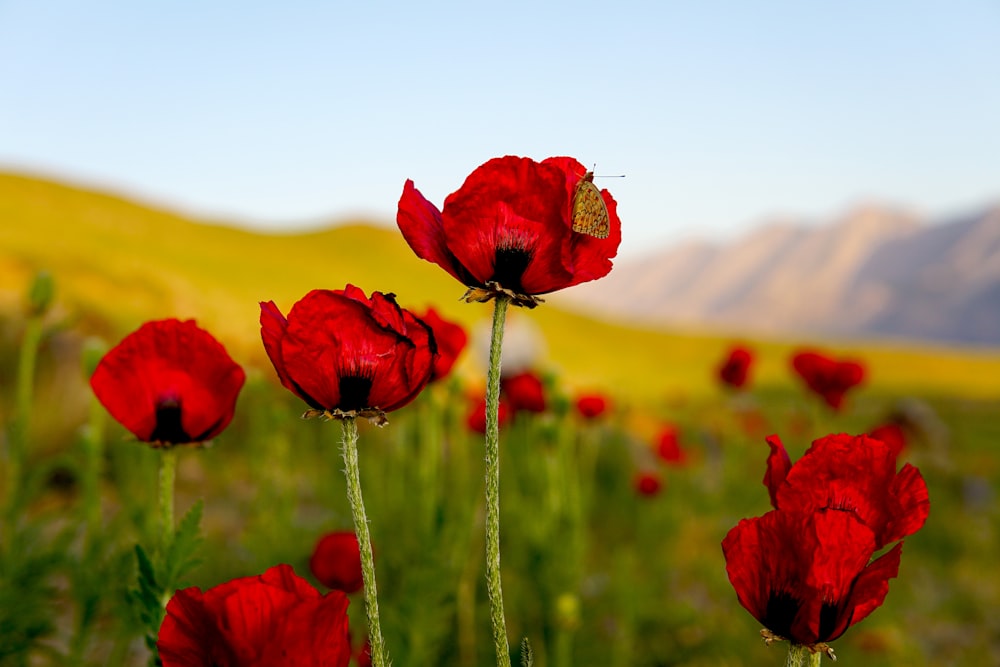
594,572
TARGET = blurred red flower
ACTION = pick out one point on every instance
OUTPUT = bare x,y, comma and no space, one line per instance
346,354
275,618
647,483
806,575
336,562
668,447
592,406
891,434
509,229
735,369
169,383
451,339
364,654
828,378
476,421
524,392
856,474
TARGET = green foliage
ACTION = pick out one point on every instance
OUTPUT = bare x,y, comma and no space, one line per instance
593,573
159,577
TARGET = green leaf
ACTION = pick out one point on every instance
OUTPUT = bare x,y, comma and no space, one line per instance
182,556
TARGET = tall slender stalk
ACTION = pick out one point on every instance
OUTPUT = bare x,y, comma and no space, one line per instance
168,472
493,584
352,472
801,656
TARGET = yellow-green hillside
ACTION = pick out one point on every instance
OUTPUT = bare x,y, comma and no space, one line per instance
118,263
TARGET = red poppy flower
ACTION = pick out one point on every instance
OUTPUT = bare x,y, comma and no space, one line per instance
592,406
891,434
451,339
524,392
169,383
647,483
853,474
668,447
336,562
476,421
806,575
736,367
346,354
828,378
509,229
364,655
275,618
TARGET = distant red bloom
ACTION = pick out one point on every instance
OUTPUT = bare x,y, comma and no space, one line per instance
169,383
592,406
891,434
364,654
451,339
647,483
668,446
524,392
855,474
476,421
509,229
806,575
735,369
336,562
275,618
829,378
346,354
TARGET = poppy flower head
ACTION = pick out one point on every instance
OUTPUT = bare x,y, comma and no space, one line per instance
857,474
451,339
169,383
807,576
647,483
476,419
336,562
829,378
346,354
275,618
592,406
735,368
524,392
509,230
891,434
668,447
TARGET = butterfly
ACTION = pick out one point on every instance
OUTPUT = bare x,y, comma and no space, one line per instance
590,214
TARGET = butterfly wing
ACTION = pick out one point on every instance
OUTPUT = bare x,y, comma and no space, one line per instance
590,214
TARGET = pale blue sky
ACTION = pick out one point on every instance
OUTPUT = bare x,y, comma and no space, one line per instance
720,113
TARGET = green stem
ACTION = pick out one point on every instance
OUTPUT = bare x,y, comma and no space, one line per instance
800,656
493,585
21,419
93,446
168,472
352,472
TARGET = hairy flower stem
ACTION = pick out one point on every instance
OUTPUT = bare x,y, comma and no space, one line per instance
493,585
168,472
801,656
352,472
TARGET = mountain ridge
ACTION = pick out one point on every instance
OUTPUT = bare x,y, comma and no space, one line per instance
873,271
118,263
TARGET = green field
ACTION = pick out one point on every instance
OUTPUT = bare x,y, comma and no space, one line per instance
594,574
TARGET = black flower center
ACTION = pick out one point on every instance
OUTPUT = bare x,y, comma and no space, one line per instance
354,391
782,608
509,265
168,423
